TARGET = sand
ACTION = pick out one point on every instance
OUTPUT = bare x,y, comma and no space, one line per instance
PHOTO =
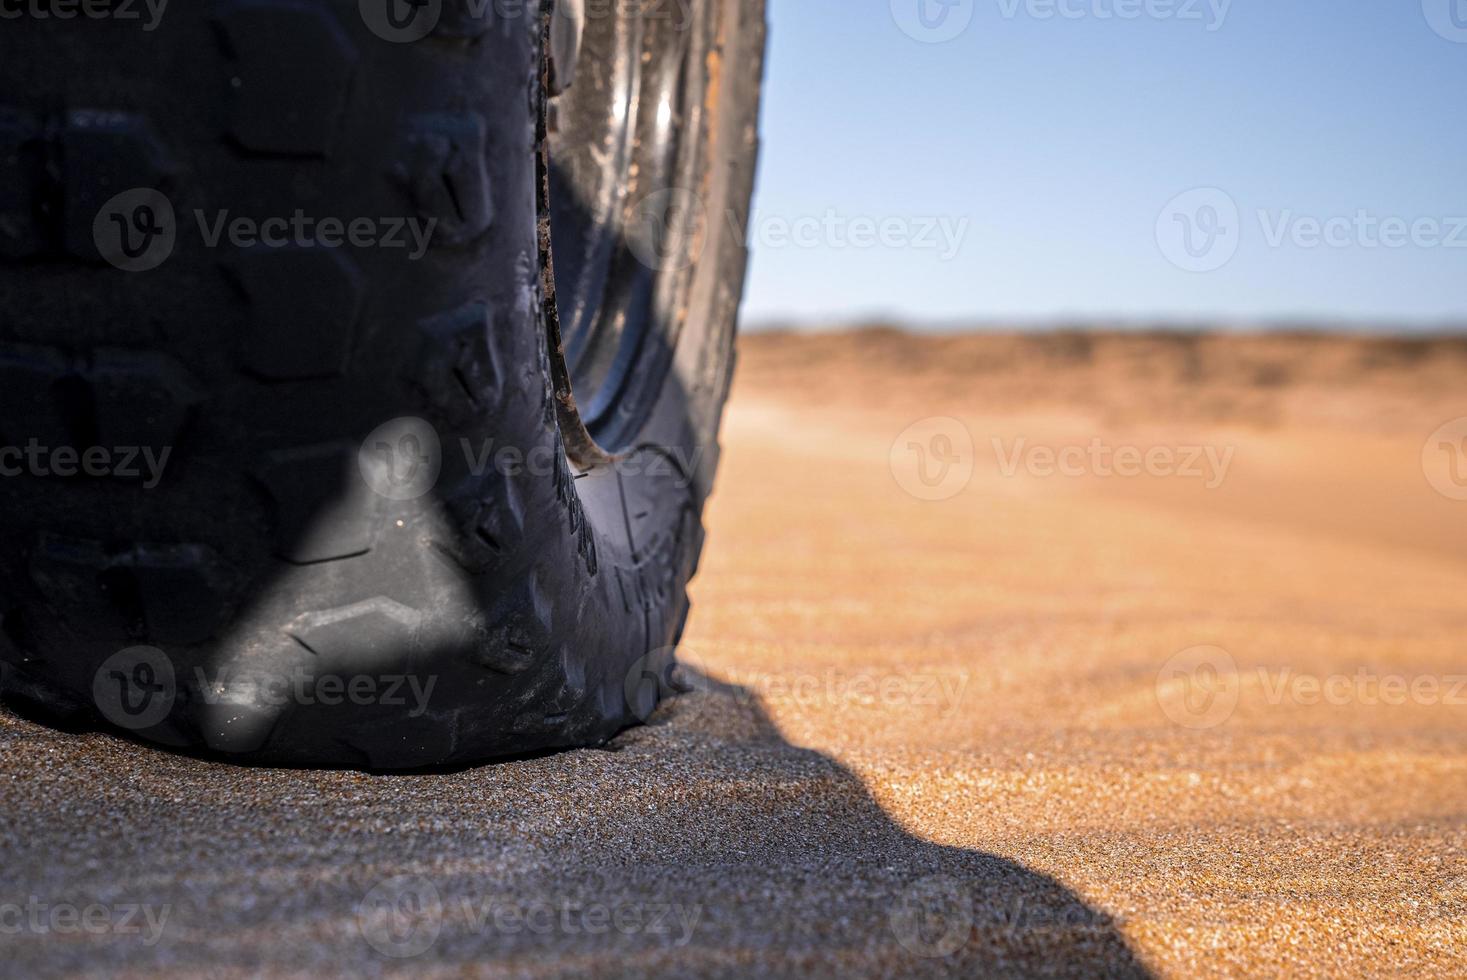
1208,719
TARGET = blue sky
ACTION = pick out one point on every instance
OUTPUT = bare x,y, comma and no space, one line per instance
1030,167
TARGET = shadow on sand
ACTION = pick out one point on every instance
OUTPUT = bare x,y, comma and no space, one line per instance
700,844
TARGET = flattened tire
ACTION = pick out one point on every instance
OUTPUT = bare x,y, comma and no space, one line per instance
364,522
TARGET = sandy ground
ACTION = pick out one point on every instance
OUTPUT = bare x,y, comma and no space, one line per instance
1206,719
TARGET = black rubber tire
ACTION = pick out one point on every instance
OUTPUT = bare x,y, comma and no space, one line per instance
538,601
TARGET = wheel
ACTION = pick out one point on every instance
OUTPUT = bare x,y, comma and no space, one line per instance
360,399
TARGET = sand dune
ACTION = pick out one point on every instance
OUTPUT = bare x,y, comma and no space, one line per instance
1316,826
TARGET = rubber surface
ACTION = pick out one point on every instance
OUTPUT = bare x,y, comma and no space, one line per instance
303,535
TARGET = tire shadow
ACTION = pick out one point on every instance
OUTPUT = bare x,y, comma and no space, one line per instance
838,882
701,844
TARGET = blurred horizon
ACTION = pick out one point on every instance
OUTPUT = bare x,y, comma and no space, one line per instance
948,165
1405,329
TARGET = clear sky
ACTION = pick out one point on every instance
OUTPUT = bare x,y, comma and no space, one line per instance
1030,166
